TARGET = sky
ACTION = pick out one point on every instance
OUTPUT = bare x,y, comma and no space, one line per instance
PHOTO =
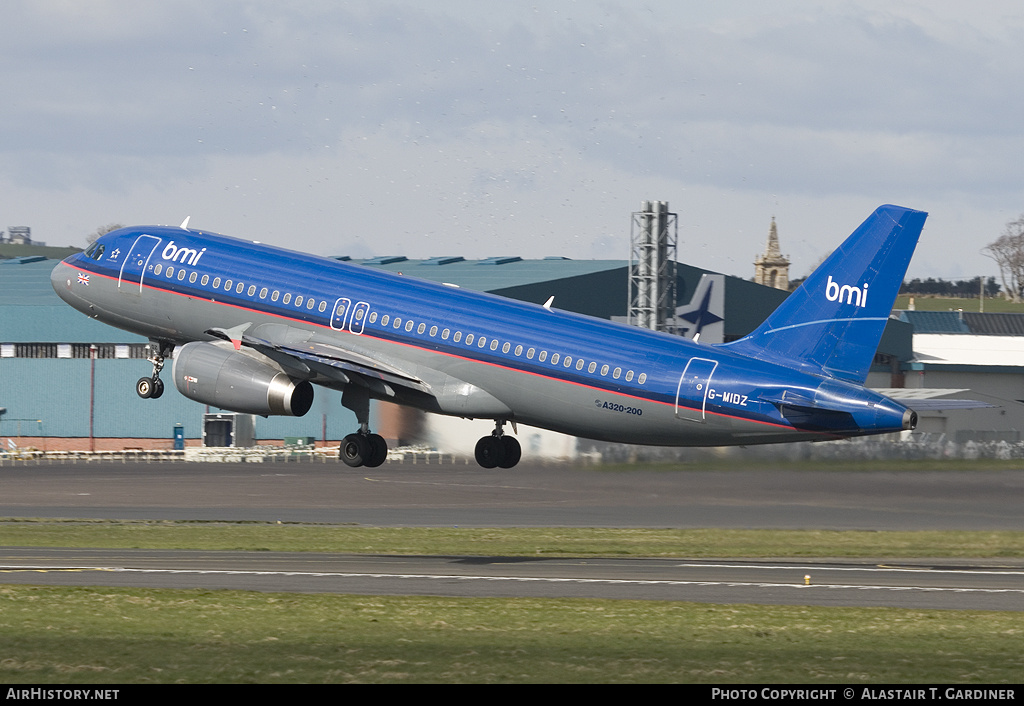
481,128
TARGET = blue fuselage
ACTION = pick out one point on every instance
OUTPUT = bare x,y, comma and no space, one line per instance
470,354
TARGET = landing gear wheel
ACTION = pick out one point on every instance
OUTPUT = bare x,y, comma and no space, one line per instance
512,452
379,451
158,389
355,450
145,387
490,451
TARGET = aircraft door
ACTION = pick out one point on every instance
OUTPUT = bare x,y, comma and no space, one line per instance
340,315
135,264
693,387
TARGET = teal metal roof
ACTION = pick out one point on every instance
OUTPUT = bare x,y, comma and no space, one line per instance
495,273
935,321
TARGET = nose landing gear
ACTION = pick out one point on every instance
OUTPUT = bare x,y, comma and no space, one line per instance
152,388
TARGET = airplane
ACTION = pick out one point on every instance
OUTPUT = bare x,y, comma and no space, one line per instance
253,328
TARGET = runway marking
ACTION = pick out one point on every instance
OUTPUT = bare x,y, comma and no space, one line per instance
879,568
521,579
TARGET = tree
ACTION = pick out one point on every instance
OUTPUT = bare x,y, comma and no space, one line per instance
101,231
1008,252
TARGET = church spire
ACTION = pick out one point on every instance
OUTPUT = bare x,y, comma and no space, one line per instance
772,268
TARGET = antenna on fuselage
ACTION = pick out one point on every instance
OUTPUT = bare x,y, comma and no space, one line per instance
184,223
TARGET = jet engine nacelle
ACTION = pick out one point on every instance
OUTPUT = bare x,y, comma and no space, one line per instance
207,373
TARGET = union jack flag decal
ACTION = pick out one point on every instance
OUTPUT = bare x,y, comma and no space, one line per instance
83,279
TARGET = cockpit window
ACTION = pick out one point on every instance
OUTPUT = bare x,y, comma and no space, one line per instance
95,251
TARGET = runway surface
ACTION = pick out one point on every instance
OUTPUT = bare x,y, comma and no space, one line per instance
411,495
959,585
528,496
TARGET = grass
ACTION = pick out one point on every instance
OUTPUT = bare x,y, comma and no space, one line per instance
126,636
698,543
60,635
929,303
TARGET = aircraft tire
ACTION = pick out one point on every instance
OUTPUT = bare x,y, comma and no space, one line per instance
355,450
144,388
490,452
158,389
512,452
378,452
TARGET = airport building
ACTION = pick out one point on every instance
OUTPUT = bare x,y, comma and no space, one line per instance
68,382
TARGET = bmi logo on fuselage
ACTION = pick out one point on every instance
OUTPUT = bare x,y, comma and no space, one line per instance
186,256
857,296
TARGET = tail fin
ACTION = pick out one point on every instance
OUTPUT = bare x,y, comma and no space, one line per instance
832,323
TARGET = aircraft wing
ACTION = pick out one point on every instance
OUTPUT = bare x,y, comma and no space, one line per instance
302,350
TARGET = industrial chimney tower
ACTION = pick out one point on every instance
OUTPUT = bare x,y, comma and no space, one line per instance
652,267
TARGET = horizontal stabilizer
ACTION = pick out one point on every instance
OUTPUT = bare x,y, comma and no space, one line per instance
929,399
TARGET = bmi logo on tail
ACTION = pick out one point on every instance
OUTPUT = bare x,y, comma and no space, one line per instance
853,295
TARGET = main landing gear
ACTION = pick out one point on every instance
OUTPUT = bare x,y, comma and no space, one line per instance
498,450
361,448
153,387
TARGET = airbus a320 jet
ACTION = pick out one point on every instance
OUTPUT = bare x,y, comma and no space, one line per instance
255,328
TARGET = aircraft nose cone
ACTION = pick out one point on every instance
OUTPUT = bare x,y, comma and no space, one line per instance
63,280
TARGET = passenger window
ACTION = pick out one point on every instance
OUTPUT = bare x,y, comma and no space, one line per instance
205,280
482,342
373,317
433,331
287,297
543,356
554,358
323,305
591,368
444,334
469,339
158,269
519,351
529,354
604,369
298,300
274,296
457,336
252,290
384,320
421,328
408,325
616,373
505,347
567,362
240,287
170,272
216,282
629,376
642,379
181,275
227,284
192,278
310,303
398,322
579,364
263,293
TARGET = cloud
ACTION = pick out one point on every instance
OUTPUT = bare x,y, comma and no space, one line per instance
458,122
